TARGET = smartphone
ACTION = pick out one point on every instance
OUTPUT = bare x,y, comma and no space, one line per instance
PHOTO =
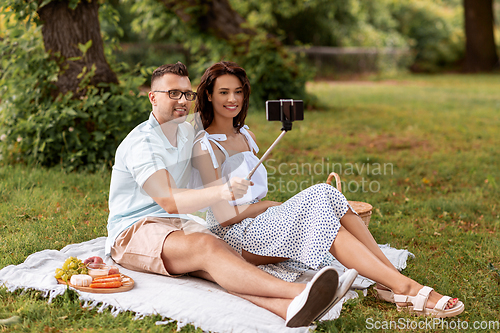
284,109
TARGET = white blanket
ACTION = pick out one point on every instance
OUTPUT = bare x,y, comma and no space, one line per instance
186,300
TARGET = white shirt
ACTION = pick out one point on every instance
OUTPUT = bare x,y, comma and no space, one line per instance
144,151
237,165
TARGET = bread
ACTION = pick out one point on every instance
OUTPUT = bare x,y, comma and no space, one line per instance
81,280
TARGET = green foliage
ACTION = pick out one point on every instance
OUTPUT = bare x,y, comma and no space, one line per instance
326,22
154,22
273,72
432,29
436,30
37,127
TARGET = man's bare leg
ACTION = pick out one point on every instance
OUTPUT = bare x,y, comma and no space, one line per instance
202,252
299,304
275,305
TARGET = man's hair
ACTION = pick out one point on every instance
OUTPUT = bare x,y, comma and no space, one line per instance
178,69
206,86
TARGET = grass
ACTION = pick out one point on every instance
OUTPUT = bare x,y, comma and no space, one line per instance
423,150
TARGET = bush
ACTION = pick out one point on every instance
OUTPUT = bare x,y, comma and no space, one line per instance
39,128
433,29
436,30
273,73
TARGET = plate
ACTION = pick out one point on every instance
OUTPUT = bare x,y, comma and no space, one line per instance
128,283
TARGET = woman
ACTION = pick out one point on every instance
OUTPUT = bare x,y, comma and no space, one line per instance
305,231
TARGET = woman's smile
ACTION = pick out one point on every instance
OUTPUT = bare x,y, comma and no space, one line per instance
227,97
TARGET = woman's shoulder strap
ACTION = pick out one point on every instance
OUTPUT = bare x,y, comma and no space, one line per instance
250,140
204,139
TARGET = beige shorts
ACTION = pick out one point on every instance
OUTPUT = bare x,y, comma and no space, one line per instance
139,247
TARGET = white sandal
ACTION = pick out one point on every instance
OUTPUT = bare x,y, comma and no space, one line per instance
384,294
416,304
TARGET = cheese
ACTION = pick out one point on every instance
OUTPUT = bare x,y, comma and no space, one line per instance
97,270
81,280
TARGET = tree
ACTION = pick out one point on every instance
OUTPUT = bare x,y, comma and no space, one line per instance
212,31
60,101
64,28
211,19
214,16
480,50
74,110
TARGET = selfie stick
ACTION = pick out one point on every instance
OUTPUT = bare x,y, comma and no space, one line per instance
287,126
268,151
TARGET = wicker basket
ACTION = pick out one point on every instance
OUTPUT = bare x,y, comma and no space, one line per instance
363,209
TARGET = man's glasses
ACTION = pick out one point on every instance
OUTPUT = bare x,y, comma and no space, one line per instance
177,94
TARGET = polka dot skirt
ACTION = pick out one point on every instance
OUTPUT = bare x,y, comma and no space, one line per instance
303,229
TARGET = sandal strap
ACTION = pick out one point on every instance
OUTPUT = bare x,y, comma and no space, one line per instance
441,304
419,301
421,298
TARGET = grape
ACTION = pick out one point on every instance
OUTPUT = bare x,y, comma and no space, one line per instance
70,267
59,273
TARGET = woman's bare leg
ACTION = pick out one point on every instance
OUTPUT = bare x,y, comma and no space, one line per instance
257,260
352,253
356,227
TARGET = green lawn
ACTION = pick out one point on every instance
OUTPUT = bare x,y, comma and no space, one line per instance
423,150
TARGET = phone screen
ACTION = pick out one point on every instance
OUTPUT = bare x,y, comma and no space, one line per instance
284,109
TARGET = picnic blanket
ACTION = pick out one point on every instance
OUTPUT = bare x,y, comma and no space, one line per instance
186,300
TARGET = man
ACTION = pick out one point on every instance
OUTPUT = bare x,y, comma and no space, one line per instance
148,230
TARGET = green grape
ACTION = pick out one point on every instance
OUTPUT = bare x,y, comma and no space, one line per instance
70,267
59,273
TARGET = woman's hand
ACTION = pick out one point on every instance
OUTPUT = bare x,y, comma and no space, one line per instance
270,203
265,204
234,189
245,211
260,207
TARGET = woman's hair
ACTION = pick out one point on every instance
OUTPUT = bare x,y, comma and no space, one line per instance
204,106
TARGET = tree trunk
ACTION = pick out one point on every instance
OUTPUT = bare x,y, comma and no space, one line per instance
63,29
211,16
480,51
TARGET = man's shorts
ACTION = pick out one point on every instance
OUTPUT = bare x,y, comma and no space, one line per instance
140,246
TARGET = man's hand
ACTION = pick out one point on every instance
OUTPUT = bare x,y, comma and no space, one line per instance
235,188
